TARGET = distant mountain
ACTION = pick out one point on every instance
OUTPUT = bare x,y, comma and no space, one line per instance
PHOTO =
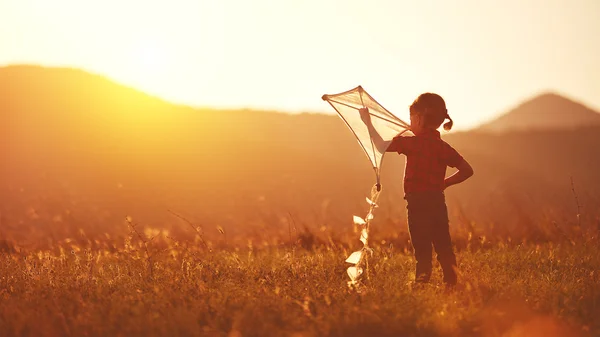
79,151
543,112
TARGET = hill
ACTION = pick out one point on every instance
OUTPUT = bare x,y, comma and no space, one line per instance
548,111
80,153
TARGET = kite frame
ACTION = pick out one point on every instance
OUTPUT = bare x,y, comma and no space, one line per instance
361,92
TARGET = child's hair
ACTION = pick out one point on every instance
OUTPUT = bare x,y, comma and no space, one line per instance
433,108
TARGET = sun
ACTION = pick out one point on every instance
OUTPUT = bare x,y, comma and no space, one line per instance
147,66
151,56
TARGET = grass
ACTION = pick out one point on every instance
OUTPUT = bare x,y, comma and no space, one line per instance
181,289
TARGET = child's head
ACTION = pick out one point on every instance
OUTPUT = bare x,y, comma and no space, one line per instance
429,111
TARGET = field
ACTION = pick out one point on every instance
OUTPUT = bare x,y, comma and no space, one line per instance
150,284
125,215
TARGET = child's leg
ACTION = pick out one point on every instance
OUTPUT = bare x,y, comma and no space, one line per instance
421,242
445,255
443,246
419,227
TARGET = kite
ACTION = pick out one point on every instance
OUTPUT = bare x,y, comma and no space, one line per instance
387,125
348,105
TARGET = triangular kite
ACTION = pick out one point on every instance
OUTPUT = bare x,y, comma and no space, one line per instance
348,103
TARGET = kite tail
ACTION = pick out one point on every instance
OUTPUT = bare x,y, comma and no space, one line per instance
359,259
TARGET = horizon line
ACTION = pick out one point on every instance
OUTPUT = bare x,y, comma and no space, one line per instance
274,109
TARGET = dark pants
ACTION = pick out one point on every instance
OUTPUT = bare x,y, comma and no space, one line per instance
428,225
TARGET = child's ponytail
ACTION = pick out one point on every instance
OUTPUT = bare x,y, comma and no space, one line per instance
448,125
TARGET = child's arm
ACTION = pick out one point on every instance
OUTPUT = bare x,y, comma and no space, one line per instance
465,171
379,143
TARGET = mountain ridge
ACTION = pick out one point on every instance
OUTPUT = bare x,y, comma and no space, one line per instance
547,110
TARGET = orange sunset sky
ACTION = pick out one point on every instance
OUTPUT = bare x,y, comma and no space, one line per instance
482,56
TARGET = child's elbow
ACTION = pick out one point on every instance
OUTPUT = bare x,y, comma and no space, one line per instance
466,169
470,171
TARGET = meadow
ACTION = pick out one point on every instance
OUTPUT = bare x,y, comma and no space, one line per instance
124,215
148,283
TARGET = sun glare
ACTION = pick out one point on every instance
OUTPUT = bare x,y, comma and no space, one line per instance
148,57
151,57
147,65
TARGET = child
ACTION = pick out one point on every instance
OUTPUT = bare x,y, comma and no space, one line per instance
427,157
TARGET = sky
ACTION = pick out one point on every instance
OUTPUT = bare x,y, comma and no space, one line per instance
482,56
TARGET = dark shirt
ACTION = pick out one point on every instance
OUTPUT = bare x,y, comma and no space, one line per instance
427,157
